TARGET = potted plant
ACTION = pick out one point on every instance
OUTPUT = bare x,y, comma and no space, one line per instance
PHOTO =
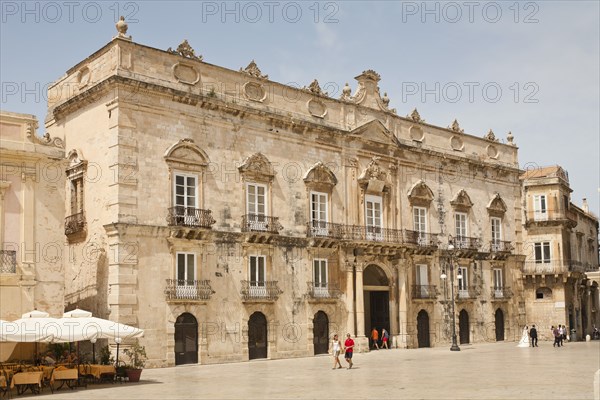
137,361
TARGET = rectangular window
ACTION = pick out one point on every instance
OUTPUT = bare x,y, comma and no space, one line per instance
373,216
258,286
463,282
185,199
318,214
320,277
186,276
422,281
186,268
498,283
496,234
256,206
460,223
542,252
540,210
420,219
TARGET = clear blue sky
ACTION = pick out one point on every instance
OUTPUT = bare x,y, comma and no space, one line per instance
447,59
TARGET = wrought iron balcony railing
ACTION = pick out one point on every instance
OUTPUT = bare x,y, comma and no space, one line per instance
260,223
353,232
500,246
190,217
466,292
74,223
466,243
501,292
321,290
260,290
424,292
325,229
421,239
8,261
550,215
542,267
188,290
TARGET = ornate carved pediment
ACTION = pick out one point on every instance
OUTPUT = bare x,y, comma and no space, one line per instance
374,177
368,93
314,88
185,50
186,154
376,131
253,70
497,206
77,164
462,200
420,194
320,174
257,166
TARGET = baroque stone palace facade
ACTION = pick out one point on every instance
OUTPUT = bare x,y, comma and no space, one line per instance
232,217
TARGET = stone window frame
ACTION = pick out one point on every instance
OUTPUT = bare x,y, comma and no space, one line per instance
320,179
257,169
420,195
186,158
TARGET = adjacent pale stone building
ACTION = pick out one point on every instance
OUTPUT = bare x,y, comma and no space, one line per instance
233,217
31,218
561,248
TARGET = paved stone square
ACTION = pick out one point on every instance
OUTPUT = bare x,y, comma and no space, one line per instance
479,371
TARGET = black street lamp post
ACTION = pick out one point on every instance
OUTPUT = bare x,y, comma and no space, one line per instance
443,276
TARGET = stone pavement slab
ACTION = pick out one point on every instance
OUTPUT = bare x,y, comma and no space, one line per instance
479,371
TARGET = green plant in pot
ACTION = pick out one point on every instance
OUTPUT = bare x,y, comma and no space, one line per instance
137,361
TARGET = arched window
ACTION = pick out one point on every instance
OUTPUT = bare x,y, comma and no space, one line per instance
543,293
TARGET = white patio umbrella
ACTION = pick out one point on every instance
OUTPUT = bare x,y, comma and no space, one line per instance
33,326
97,328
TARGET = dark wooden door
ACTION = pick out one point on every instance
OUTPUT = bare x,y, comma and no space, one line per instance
499,325
186,339
257,336
321,333
463,326
380,310
423,329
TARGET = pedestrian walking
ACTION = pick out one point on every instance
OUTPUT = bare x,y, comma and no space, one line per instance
556,335
385,336
375,338
336,348
563,334
349,349
533,336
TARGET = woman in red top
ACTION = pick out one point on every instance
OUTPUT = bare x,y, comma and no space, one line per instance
349,349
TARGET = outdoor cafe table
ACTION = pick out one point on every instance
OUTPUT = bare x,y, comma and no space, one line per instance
96,370
27,380
68,376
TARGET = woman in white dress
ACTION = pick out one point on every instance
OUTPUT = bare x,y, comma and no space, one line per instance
524,342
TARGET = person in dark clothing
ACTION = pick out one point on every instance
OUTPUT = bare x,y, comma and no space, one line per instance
533,336
556,337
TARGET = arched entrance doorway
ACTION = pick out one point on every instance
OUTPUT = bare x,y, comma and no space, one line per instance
463,326
499,325
257,336
376,288
186,339
423,329
321,333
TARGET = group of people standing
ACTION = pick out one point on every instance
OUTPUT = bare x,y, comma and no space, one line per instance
530,336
